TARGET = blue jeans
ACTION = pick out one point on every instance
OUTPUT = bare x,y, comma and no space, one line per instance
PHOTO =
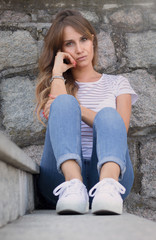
63,142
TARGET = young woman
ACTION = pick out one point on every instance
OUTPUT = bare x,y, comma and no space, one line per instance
88,118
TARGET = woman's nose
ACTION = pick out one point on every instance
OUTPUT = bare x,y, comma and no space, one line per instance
78,48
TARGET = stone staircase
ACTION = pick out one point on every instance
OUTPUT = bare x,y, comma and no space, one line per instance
16,181
20,220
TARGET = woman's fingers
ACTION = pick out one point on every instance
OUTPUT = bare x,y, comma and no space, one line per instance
47,108
52,96
63,61
70,59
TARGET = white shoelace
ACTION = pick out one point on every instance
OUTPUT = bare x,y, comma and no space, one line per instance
69,187
107,185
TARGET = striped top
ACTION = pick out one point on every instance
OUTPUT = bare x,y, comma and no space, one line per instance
97,95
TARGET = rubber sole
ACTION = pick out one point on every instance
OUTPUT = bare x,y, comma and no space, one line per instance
71,210
106,208
105,212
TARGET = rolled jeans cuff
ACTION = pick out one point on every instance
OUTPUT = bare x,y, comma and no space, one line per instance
66,157
113,159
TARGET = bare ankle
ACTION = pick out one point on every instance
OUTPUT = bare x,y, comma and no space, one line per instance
110,170
71,170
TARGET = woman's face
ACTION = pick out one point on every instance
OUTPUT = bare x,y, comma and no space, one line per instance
78,46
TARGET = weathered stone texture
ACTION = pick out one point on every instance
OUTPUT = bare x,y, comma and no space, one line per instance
16,181
148,168
145,109
17,49
142,199
107,57
16,191
152,20
13,16
90,16
141,50
18,107
128,19
34,152
134,151
136,204
44,16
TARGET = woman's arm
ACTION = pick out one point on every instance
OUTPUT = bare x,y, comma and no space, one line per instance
58,86
124,108
87,115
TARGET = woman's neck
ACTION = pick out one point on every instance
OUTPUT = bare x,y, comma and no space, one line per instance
87,74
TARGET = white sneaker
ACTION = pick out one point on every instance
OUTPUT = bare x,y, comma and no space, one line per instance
73,197
107,198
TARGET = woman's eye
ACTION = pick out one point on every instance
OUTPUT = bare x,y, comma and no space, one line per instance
68,44
84,39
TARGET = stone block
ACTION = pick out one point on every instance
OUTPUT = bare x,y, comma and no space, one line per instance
9,200
44,16
90,16
26,192
148,168
16,193
40,46
110,6
17,49
13,16
128,19
34,152
144,111
18,96
142,199
134,151
16,181
137,205
15,156
152,20
106,58
141,50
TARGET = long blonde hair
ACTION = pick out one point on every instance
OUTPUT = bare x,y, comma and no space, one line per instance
52,44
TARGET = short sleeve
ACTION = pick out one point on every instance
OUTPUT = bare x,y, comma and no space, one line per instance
122,86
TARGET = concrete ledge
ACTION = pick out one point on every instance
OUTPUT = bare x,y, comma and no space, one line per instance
13,155
48,225
16,181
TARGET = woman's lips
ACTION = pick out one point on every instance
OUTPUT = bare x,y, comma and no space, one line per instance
81,58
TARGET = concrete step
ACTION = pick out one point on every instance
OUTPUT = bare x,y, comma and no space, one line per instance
46,224
16,181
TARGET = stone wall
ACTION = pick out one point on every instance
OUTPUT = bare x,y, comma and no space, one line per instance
127,45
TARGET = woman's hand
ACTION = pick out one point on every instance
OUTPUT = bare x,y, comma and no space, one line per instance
63,62
47,106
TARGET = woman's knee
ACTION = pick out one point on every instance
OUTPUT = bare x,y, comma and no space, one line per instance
109,117
65,101
64,104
